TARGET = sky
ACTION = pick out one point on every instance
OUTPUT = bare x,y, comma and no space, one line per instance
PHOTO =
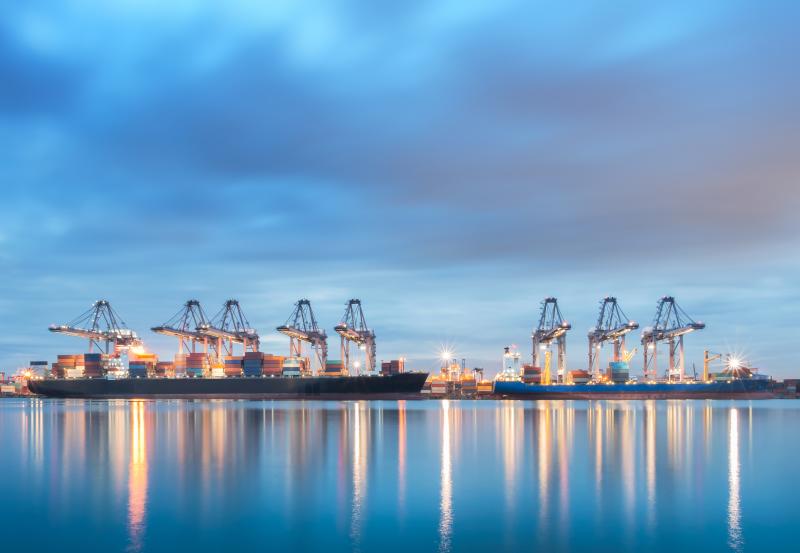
449,163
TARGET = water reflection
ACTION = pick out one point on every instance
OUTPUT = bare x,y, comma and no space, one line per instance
137,478
734,515
343,476
446,477
360,438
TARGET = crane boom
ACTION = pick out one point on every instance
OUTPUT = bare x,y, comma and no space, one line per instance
229,326
670,324
101,326
353,328
301,327
612,326
552,328
184,326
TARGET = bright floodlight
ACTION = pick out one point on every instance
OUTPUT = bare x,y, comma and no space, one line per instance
446,355
734,363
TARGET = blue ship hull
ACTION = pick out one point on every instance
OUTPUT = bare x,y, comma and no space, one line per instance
736,389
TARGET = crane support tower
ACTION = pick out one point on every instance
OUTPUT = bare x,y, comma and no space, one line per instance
353,328
552,328
612,326
670,325
229,326
102,327
301,327
184,325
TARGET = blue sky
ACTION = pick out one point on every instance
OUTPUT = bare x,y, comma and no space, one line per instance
450,163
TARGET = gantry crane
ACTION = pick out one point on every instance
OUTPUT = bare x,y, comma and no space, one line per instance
229,326
552,328
300,327
353,328
184,325
612,325
670,325
102,327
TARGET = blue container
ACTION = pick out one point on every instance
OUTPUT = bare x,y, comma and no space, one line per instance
92,356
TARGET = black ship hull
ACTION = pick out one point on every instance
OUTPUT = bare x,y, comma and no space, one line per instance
398,386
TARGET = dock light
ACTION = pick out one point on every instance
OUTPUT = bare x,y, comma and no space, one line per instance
734,363
542,347
446,355
357,364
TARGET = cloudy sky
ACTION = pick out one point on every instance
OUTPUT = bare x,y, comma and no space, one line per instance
450,163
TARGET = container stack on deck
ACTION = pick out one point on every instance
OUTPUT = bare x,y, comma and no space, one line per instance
142,365
294,366
272,365
164,369
531,374
580,376
179,364
252,363
64,363
197,365
618,371
233,365
334,367
395,366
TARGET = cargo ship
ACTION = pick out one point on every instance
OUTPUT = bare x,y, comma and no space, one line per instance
742,388
394,386
735,381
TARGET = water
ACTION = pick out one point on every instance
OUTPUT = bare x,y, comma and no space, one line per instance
399,476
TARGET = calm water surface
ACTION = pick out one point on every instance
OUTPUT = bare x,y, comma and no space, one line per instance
399,476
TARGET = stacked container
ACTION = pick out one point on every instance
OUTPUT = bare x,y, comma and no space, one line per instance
395,366
334,367
142,365
293,366
618,371
531,374
197,365
469,386
92,365
179,365
64,364
251,364
440,387
113,367
272,365
580,377
233,365
165,369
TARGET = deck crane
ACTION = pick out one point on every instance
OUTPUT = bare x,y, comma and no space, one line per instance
552,328
300,327
102,327
670,325
184,325
353,328
612,326
229,326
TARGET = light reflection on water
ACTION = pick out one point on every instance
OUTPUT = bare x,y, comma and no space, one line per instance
389,476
